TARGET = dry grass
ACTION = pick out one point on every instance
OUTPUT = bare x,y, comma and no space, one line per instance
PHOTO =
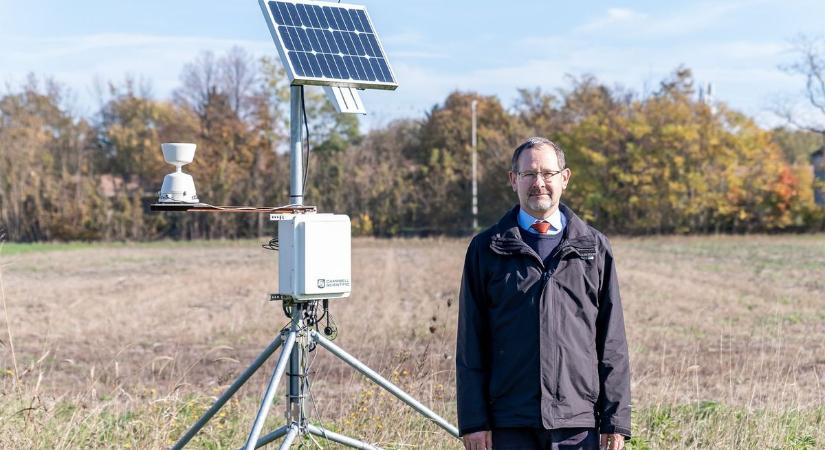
123,346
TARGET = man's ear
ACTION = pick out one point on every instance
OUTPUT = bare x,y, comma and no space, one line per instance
513,177
565,177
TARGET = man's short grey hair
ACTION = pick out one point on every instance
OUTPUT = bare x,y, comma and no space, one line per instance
536,142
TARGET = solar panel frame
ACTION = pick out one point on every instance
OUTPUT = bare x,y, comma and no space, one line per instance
300,42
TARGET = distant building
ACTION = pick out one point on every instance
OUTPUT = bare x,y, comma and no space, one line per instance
818,161
110,185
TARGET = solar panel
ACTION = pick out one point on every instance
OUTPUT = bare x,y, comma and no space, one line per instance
328,44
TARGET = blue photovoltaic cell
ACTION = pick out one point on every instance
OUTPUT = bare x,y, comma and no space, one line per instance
330,43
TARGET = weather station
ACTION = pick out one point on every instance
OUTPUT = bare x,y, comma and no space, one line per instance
335,46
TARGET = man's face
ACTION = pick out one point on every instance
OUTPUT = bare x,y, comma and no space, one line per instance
539,197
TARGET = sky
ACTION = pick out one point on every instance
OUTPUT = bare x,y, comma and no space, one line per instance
434,47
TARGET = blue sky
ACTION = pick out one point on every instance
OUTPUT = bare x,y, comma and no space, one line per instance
492,47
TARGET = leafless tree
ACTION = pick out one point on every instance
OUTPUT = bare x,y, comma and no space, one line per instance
198,83
810,64
233,75
238,77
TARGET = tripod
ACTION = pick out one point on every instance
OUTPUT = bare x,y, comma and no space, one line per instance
296,341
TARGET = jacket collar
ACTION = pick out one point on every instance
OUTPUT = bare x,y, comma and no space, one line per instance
577,237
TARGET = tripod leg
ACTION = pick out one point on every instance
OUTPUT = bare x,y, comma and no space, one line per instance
340,438
270,391
266,439
290,436
229,393
383,382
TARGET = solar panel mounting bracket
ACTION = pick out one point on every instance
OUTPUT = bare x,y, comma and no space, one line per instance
345,99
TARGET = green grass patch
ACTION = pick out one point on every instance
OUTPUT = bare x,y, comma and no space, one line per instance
375,417
15,248
710,424
18,248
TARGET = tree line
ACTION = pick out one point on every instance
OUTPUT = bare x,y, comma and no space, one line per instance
660,162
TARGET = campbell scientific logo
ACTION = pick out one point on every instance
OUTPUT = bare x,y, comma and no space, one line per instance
324,283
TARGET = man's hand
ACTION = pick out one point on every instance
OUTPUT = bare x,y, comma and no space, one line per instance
613,441
480,440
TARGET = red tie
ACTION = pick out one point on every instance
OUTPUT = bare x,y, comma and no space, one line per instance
541,226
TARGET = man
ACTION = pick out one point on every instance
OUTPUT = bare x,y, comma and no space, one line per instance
541,356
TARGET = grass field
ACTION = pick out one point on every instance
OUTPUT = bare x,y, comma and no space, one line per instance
125,345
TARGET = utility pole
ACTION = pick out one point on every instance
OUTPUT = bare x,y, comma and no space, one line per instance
475,169
710,99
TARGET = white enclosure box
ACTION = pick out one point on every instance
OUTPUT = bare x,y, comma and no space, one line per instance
314,260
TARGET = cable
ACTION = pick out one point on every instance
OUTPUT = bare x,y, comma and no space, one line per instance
272,244
306,127
331,330
320,420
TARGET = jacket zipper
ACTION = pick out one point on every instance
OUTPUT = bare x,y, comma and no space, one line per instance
561,251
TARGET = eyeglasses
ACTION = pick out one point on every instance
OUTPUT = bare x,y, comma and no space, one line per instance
531,176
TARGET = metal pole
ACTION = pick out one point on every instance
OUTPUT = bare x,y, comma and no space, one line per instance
297,379
229,393
340,438
296,162
383,382
290,437
266,439
270,391
475,168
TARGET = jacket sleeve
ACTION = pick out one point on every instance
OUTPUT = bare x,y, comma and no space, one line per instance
611,347
471,355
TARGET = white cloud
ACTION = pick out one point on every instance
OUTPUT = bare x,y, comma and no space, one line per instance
743,72
614,16
28,50
621,45
688,19
412,45
404,38
538,43
747,50
418,54
692,19
78,60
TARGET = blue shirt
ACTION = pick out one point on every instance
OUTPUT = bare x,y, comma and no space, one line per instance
543,244
557,222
